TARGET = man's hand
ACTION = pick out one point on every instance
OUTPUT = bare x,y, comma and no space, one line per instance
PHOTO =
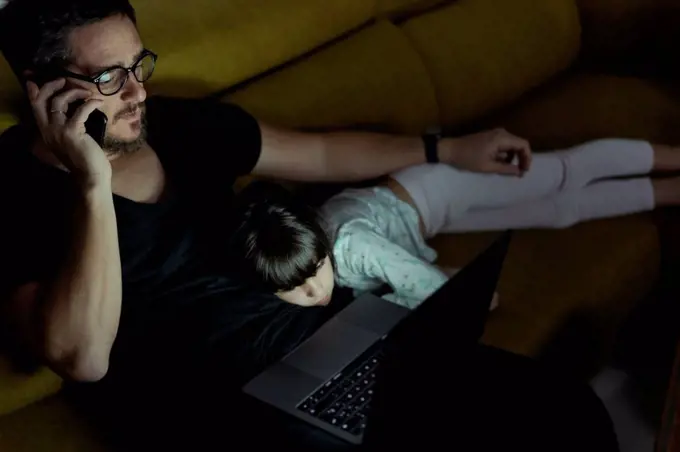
66,137
494,151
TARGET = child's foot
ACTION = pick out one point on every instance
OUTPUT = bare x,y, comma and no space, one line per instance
666,191
666,158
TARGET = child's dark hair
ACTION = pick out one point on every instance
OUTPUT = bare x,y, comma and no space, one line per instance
278,241
33,33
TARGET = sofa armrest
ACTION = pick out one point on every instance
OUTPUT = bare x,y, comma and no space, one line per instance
631,37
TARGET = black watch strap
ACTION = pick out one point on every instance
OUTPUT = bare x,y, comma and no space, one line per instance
431,141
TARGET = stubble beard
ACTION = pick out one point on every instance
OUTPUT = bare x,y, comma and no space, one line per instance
116,147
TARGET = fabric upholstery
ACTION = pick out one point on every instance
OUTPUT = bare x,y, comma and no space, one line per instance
19,389
482,54
551,278
631,36
399,7
583,106
373,78
206,45
50,425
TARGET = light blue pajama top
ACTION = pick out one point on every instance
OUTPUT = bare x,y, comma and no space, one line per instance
377,241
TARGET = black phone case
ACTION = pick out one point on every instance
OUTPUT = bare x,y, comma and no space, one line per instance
95,126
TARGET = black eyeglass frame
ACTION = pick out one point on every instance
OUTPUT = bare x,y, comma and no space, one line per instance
128,70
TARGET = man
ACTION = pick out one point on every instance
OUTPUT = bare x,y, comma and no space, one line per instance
111,249
130,178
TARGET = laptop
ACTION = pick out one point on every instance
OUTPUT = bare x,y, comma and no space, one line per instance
332,379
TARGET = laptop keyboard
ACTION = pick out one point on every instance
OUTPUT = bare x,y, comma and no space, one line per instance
344,400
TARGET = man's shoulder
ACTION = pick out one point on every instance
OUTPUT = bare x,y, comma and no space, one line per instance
168,107
177,119
204,125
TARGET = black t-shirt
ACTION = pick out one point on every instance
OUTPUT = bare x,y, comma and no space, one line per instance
180,308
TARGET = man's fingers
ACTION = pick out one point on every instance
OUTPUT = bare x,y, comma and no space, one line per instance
32,90
61,101
38,98
520,147
525,156
83,112
48,90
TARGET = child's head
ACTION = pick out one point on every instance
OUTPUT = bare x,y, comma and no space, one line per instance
282,246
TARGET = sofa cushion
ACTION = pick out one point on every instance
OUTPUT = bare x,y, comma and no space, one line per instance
482,54
592,273
9,92
400,7
579,106
206,45
631,36
7,120
372,78
48,426
19,389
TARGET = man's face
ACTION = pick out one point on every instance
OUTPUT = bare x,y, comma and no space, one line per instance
96,47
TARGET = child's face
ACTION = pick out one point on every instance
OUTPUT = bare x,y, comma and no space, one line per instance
316,291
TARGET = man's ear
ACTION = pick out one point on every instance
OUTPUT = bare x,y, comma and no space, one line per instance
35,77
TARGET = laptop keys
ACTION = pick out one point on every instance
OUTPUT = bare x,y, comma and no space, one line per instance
343,400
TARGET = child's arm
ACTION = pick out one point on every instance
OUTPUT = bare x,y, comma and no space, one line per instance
372,256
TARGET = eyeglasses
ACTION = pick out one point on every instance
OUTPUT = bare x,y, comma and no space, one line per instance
112,80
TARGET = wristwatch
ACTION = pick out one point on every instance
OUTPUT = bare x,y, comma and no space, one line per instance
431,141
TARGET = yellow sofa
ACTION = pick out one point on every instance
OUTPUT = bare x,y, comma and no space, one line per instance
542,69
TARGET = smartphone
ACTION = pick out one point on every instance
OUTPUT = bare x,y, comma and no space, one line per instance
95,126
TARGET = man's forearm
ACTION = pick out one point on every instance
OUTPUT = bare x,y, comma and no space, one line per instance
83,303
358,156
352,156
334,157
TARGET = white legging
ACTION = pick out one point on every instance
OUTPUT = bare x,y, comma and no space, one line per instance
561,189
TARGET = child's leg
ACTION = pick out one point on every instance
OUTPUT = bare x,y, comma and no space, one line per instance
600,200
605,159
442,193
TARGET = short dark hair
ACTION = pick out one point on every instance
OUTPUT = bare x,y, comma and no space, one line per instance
278,241
34,33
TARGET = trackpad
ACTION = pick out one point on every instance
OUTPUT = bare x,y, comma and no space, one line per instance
332,347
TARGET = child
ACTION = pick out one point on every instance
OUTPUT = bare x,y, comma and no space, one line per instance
364,238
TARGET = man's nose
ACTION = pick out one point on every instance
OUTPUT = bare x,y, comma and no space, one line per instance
134,91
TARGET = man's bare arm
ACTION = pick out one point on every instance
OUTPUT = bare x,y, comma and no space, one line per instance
334,157
80,308
357,156
72,319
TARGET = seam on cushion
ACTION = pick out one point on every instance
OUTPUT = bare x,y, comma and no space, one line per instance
426,72
292,62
